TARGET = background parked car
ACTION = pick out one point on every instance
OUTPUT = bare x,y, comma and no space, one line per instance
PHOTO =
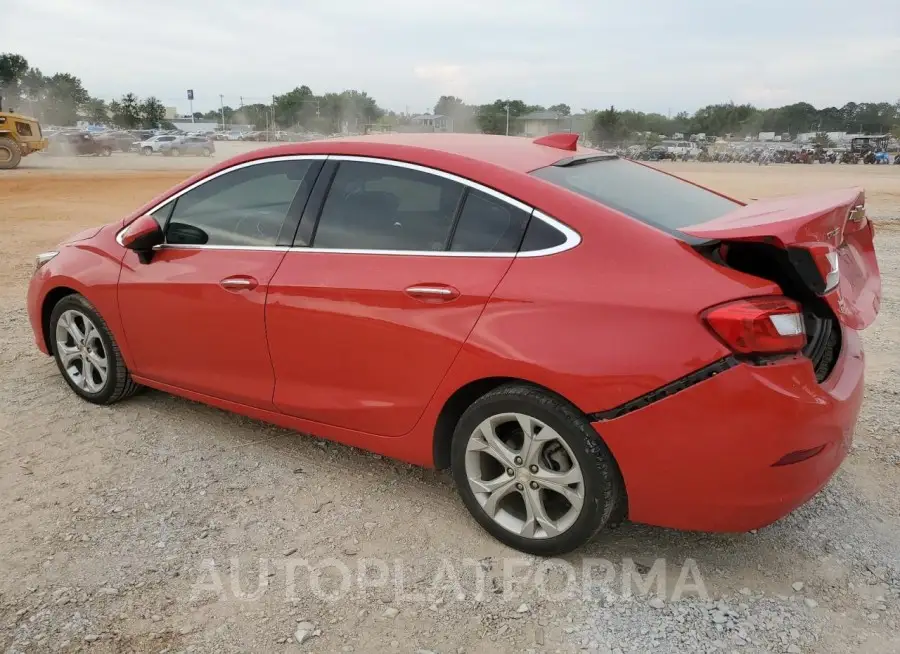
153,144
196,145
119,140
77,143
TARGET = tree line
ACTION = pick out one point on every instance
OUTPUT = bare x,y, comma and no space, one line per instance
60,99
738,120
302,109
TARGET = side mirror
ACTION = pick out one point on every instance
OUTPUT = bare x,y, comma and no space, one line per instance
141,236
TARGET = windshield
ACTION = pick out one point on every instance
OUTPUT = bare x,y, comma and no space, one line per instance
641,192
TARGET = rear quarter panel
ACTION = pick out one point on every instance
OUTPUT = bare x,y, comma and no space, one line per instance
605,322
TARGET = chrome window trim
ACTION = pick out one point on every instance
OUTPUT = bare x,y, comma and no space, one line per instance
241,248
410,253
201,182
437,173
572,238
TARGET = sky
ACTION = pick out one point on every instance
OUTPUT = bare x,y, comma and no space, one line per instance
651,55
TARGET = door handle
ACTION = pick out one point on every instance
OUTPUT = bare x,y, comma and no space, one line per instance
432,292
239,283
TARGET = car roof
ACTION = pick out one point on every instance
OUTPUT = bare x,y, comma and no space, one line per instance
520,154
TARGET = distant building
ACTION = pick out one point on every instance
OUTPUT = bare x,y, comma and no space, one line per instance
432,123
766,136
185,125
171,112
541,123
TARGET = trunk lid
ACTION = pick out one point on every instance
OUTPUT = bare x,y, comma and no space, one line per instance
828,240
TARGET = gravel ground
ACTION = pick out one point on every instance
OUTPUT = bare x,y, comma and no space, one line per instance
161,525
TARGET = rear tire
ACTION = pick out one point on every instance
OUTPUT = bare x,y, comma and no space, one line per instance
147,151
551,496
106,152
206,152
87,354
10,154
175,152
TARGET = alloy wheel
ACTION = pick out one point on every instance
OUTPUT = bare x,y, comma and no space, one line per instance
524,475
81,351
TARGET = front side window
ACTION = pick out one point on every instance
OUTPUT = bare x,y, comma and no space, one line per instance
23,129
373,206
487,224
244,207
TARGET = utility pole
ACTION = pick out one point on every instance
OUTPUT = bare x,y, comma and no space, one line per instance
273,117
222,105
507,117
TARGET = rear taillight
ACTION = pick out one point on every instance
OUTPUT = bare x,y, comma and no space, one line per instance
759,325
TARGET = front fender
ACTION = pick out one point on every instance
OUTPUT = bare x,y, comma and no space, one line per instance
90,268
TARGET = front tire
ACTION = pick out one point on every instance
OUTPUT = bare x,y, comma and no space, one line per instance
10,154
87,354
533,472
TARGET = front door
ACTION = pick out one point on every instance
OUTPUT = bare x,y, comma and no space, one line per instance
364,323
194,317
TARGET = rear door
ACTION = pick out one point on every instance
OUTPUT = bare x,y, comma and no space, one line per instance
392,267
194,317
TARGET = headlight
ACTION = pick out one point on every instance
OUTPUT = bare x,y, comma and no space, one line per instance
43,258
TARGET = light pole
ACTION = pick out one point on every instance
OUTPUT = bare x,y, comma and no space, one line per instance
507,117
222,105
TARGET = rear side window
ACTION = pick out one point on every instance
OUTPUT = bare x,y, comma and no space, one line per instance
487,224
541,236
639,191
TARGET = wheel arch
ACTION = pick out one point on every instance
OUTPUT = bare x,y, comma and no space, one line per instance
462,399
51,299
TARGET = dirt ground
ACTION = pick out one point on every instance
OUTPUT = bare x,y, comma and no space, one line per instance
117,521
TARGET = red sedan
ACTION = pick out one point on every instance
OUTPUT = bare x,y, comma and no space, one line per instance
579,338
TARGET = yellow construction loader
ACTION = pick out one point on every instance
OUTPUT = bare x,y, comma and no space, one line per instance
19,137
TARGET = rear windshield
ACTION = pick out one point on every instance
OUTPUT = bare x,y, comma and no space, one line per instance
641,192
